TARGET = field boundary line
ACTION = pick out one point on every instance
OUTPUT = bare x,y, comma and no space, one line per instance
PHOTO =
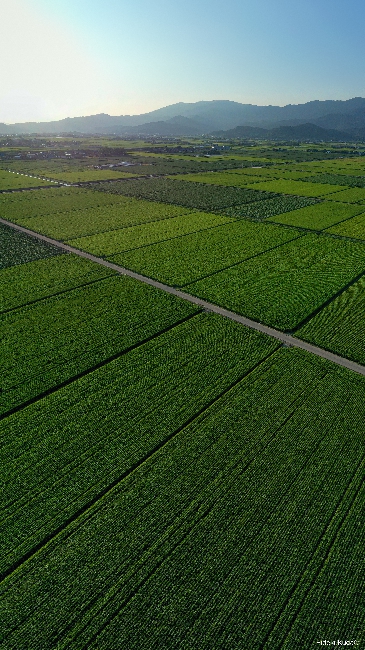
287,339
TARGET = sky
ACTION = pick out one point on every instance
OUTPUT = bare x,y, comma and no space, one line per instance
65,58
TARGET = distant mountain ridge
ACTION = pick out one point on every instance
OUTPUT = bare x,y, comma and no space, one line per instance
205,117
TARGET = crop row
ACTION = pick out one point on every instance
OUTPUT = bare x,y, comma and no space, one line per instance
340,326
319,216
18,248
260,210
52,340
145,234
80,223
182,260
25,283
191,195
284,286
215,529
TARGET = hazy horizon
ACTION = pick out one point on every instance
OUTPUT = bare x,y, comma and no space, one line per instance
68,59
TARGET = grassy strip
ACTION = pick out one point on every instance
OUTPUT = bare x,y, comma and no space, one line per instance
284,286
212,532
99,427
190,195
179,261
18,248
125,239
51,341
319,216
26,283
340,326
81,223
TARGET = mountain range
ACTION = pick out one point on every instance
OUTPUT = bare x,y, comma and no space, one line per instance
315,120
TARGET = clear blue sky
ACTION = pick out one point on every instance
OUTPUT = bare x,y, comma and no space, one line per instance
79,57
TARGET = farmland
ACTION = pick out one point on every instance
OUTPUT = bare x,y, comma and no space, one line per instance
300,188
174,478
13,181
319,216
182,508
284,286
91,220
17,248
340,327
137,236
204,253
189,195
75,331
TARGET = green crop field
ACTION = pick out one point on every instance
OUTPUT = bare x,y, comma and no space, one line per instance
179,261
80,223
124,239
218,178
201,531
134,404
18,248
284,286
31,281
172,479
49,341
259,210
352,195
354,227
188,194
319,216
338,179
301,188
24,205
87,175
340,327
13,181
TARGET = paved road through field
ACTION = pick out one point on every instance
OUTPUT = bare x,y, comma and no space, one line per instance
286,339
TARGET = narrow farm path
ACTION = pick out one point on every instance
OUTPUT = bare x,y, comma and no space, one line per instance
286,339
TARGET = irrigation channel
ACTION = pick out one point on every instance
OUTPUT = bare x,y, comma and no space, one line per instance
286,339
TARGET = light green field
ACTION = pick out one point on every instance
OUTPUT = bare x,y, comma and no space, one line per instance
12,181
125,239
25,283
284,286
340,326
92,175
354,227
352,195
182,260
318,216
78,223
